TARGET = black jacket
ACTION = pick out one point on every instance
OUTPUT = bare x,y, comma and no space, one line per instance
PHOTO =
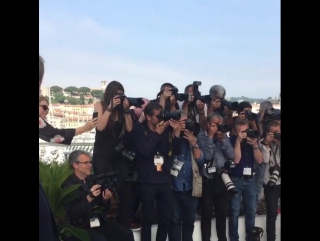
147,145
79,210
47,226
50,134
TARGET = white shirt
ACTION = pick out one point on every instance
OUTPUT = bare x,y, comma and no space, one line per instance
268,157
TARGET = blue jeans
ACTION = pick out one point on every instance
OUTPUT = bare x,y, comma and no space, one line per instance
184,210
260,169
246,190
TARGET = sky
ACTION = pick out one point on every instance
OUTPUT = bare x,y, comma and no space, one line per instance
143,44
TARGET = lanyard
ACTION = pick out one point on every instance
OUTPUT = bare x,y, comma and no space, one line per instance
274,155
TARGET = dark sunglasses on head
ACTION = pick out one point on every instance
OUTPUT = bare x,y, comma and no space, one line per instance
44,107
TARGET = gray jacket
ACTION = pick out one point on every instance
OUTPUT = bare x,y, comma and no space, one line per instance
219,152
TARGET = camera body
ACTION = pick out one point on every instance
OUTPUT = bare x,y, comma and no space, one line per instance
275,173
108,181
137,102
230,105
223,128
166,115
124,153
131,177
270,115
252,134
277,136
250,115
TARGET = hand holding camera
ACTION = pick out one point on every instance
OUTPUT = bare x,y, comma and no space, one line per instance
126,105
115,102
242,135
190,137
95,191
212,130
160,127
216,104
252,141
175,126
200,105
106,195
269,138
166,94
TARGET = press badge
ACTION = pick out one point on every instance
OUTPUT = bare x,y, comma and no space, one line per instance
176,167
94,222
158,161
247,171
212,169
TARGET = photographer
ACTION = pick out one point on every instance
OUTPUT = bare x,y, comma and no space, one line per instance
129,189
260,168
244,111
217,151
217,93
166,98
186,183
197,111
154,146
247,153
271,152
114,119
80,210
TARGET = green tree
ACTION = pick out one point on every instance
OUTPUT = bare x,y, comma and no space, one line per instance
84,90
56,90
74,101
72,90
59,98
90,101
97,94
82,100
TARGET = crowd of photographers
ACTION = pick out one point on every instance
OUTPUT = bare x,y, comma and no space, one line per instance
178,154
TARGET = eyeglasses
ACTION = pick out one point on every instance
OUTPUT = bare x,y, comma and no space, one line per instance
44,107
86,163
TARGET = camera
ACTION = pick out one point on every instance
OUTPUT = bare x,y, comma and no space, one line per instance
131,177
197,95
166,115
252,134
124,153
223,128
277,136
272,114
227,182
137,102
257,233
275,174
108,181
190,125
250,115
230,105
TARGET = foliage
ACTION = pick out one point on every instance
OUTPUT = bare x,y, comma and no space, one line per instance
243,98
52,175
97,94
84,90
56,89
71,89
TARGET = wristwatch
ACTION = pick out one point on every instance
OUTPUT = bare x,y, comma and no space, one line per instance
195,146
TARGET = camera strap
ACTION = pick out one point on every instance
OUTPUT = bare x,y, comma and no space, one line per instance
274,153
121,133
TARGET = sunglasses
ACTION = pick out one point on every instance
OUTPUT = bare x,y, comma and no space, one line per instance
44,107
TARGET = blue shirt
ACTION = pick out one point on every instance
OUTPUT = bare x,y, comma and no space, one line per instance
183,182
247,158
